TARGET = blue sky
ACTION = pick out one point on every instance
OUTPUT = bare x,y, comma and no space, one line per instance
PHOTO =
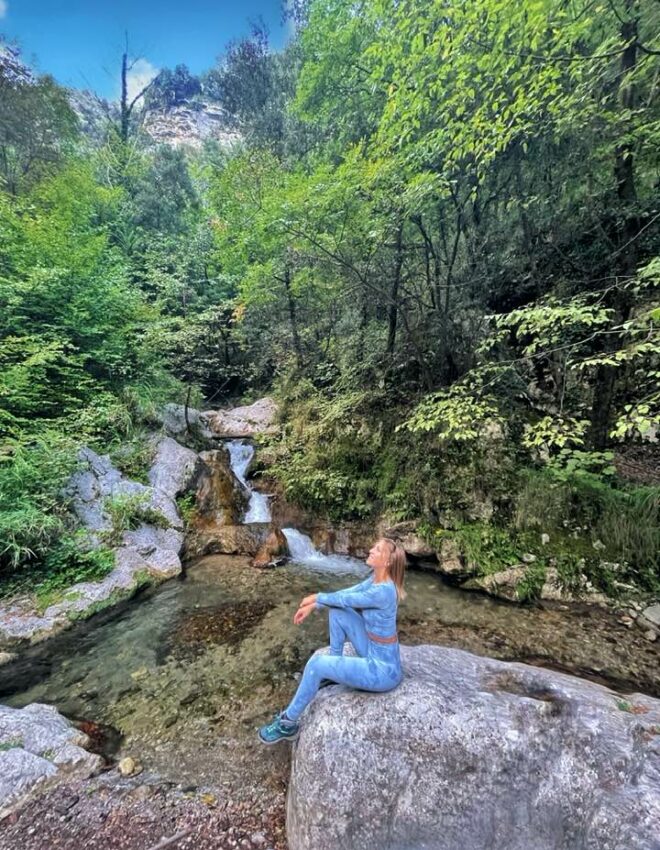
80,42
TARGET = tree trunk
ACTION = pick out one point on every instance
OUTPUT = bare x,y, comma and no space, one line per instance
605,379
125,111
394,292
292,317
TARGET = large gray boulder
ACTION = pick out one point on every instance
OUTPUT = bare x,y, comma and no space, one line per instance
175,468
38,745
469,753
173,419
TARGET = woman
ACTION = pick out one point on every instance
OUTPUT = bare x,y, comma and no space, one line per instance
364,614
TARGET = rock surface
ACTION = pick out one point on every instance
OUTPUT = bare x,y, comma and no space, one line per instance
274,547
229,540
173,419
146,553
257,418
190,124
504,583
174,468
37,744
469,752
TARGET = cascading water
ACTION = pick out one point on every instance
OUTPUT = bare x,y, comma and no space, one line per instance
241,454
303,551
301,548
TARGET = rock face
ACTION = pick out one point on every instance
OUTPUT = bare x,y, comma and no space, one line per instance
274,548
146,553
503,584
472,753
229,540
257,418
220,502
173,420
37,744
190,124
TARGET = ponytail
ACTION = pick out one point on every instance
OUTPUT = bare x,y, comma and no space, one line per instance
397,566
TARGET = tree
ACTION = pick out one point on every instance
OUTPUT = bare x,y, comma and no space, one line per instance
37,125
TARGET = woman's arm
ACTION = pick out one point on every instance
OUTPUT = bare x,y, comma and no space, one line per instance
312,598
373,596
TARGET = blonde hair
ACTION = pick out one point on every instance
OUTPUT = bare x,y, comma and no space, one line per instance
397,565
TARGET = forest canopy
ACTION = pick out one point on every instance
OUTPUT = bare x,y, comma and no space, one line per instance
437,243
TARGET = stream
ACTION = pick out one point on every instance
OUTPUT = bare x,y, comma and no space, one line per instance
184,674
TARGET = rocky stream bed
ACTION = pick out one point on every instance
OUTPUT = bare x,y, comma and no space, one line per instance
169,688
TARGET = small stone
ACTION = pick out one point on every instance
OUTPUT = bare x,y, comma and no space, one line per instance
67,802
598,544
129,767
258,838
528,558
650,634
140,674
545,539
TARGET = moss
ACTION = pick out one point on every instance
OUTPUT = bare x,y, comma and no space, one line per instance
134,457
528,589
129,511
67,563
186,505
11,744
142,578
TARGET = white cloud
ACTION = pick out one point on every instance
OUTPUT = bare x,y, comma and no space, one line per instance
138,76
3,8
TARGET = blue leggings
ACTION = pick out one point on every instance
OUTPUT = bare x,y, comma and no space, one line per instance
377,667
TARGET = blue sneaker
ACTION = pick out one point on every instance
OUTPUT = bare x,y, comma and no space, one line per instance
279,730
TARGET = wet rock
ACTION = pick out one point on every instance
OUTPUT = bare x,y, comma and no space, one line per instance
651,635
257,418
38,745
450,561
501,584
220,499
274,547
499,754
228,540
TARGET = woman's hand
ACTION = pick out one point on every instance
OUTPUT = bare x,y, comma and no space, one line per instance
309,600
302,612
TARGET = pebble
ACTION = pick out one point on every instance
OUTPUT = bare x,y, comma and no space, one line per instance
129,767
651,634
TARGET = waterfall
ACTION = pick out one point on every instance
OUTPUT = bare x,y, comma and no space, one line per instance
241,454
303,551
301,548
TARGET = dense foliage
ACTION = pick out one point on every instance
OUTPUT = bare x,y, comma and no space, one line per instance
438,245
